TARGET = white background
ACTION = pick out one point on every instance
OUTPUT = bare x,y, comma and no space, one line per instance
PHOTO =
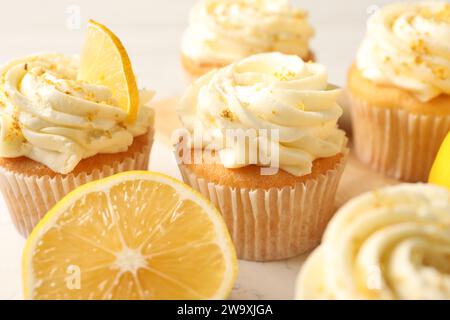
151,31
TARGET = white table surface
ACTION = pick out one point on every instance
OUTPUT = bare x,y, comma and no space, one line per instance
151,31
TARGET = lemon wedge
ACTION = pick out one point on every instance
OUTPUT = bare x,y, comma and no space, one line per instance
135,235
440,172
105,61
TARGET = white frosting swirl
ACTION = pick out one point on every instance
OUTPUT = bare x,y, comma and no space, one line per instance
269,91
49,116
392,243
408,45
224,31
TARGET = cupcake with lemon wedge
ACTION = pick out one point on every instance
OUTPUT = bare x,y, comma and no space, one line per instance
66,122
261,141
221,32
400,89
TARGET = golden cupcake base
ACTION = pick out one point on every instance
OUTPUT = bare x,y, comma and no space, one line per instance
276,223
270,217
395,133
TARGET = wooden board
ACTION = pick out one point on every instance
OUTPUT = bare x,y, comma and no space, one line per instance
357,177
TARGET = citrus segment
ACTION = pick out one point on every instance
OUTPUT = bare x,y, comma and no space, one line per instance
136,235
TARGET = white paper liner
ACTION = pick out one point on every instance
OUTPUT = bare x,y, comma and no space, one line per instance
29,198
273,224
396,142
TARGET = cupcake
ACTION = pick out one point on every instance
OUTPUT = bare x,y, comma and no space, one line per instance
261,142
224,31
391,243
400,89
58,132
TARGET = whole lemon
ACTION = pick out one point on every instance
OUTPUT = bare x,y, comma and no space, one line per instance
440,172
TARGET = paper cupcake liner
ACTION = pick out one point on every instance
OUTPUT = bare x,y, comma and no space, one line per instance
396,142
273,224
29,198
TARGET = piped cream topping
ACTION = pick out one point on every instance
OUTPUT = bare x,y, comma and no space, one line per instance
408,45
51,117
393,243
224,31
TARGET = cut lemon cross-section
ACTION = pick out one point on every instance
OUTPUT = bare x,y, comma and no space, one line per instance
135,235
105,61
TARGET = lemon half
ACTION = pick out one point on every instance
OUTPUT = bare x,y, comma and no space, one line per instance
135,235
